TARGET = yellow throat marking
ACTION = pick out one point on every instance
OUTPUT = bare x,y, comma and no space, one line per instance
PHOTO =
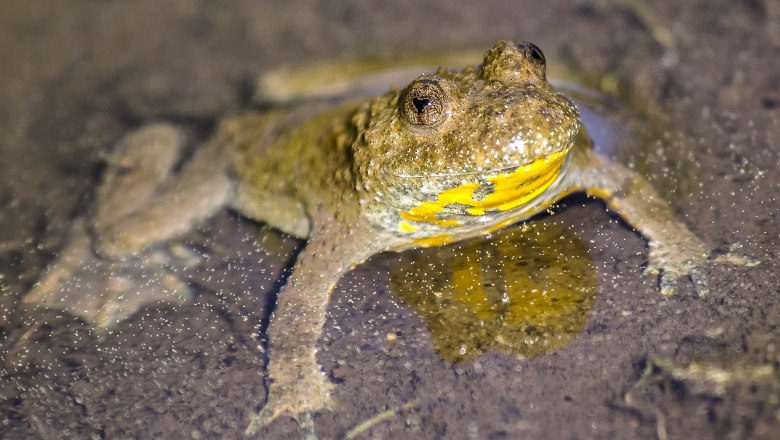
510,190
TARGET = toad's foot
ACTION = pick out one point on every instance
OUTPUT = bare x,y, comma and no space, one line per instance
298,398
104,292
687,258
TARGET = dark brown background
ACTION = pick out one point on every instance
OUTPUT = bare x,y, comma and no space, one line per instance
76,75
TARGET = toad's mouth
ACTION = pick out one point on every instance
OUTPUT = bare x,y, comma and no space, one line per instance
500,191
552,154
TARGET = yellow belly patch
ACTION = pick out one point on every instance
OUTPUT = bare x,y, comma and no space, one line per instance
436,240
509,191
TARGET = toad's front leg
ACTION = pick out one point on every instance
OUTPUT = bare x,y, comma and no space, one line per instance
674,251
298,386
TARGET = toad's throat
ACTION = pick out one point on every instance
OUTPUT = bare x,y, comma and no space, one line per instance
500,193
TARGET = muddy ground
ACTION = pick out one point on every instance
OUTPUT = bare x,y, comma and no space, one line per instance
76,75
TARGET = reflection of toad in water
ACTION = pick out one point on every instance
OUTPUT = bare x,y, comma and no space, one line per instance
527,290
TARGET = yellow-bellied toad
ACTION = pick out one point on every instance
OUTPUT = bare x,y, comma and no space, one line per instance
456,153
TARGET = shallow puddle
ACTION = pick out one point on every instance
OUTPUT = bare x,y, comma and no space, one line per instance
526,290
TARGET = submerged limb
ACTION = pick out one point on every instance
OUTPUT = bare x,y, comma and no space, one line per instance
654,23
104,292
352,79
141,161
298,386
119,259
187,198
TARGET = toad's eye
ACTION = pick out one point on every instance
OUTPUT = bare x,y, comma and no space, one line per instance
424,104
532,53
536,53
